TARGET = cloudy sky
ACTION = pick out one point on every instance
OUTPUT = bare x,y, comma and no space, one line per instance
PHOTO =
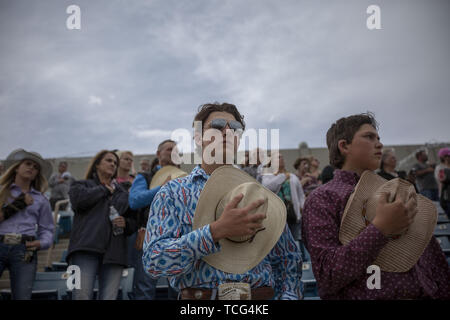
137,70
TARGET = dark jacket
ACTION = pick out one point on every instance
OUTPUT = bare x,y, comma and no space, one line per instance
92,229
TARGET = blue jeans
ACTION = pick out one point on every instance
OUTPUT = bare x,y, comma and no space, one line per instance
91,265
144,287
22,273
432,194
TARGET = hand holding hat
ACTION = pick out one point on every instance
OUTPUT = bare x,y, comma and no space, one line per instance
235,222
394,218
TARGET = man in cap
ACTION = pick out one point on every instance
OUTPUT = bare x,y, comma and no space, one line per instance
174,248
141,197
342,271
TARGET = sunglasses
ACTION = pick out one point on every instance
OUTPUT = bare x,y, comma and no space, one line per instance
220,124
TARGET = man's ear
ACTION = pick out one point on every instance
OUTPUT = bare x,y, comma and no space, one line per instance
343,147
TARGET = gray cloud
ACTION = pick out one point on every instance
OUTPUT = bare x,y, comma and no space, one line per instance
145,66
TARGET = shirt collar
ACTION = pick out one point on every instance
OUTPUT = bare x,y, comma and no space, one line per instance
348,177
15,186
198,172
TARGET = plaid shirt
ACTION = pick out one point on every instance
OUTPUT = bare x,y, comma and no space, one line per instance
172,249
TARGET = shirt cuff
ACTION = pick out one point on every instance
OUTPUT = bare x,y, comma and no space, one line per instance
205,243
45,243
374,239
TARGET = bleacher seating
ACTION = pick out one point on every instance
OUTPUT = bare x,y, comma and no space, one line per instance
63,219
442,229
437,204
442,218
445,244
52,294
309,282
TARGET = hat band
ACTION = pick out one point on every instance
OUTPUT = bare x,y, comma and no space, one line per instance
248,240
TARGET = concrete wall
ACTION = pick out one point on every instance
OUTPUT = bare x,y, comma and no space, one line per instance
405,158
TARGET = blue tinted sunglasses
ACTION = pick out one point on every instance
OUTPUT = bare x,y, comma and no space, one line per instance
220,124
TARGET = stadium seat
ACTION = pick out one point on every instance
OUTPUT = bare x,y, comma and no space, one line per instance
437,204
126,284
308,281
442,218
52,281
51,294
162,289
59,266
442,229
445,244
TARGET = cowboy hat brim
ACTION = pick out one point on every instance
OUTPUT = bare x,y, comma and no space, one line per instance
162,174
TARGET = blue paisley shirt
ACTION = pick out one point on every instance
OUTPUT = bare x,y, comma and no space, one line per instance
172,249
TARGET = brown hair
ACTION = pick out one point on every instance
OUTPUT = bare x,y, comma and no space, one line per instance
206,109
92,168
345,129
162,143
299,160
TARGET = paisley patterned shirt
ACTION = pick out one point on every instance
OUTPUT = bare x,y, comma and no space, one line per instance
172,249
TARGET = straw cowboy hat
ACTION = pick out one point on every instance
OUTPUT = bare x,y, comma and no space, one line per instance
162,174
403,251
238,255
20,154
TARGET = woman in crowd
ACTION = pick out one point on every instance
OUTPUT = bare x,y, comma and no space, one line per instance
441,155
314,164
444,180
309,182
288,187
388,164
125,172
23,207
98,242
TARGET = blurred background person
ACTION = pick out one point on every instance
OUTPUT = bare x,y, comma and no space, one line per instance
411,177
441,155
388,164
426,182
125,172
253,163
327,174
444,179
60,185
154,164
314,171
26,221
140,198
145,165
102,221
288,187
309,182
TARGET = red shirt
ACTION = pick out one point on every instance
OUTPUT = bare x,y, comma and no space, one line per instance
341,271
